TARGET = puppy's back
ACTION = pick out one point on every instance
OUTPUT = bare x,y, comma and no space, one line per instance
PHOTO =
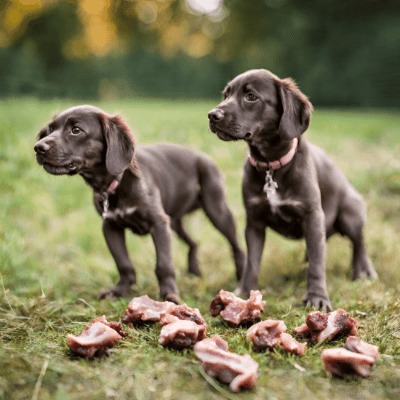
178,172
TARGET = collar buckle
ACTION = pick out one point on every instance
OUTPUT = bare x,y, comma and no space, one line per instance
105,195
105,205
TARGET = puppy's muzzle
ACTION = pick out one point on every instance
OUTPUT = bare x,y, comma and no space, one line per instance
55,162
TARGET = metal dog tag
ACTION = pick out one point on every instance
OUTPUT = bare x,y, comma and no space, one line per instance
105,205
270,185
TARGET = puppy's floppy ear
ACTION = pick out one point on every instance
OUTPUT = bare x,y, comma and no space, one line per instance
120,144
296,109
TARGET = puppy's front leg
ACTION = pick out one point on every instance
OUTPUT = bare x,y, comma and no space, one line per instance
161,235
314,232
115,239
255,238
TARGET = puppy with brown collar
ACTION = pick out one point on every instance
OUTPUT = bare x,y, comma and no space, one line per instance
289,185
146,190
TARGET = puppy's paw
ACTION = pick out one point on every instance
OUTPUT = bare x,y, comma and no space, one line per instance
366,271
240,292
116,291
172,297
194,268
369,272
320,302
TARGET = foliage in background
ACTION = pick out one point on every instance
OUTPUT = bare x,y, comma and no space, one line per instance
341,53
54,262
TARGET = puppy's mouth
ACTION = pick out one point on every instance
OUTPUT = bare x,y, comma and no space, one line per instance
70,168
224,135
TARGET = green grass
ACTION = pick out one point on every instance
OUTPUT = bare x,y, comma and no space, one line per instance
54,262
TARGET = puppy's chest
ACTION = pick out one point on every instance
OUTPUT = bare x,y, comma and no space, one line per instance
278,210
132,216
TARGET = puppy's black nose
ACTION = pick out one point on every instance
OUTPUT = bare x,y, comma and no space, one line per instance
41,147
215,115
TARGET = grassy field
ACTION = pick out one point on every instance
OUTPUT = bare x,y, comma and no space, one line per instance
54,262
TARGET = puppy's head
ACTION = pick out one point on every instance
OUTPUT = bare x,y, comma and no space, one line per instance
82,138
259,103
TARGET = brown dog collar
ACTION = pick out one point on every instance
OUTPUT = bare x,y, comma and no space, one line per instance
264,166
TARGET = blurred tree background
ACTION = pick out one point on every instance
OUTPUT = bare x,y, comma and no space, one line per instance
341,52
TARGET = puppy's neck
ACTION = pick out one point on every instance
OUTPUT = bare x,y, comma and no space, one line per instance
100,179
269,149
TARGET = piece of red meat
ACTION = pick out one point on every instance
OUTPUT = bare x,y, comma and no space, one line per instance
291,345
182,334
144,309
320,327
181,312
270,333
97,338
182,326
345,363
266,334
356,345
240,372
235,310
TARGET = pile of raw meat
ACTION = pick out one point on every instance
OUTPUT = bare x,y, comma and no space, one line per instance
184,327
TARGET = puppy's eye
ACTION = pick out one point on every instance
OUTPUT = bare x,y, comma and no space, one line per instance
75,130
251,97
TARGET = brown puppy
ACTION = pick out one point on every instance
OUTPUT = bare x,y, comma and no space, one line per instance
289,184
148,193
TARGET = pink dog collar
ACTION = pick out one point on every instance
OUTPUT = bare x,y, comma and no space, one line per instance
277,163
113,186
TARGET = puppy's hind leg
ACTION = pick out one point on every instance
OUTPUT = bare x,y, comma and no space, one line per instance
214,204
350,222
178,227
